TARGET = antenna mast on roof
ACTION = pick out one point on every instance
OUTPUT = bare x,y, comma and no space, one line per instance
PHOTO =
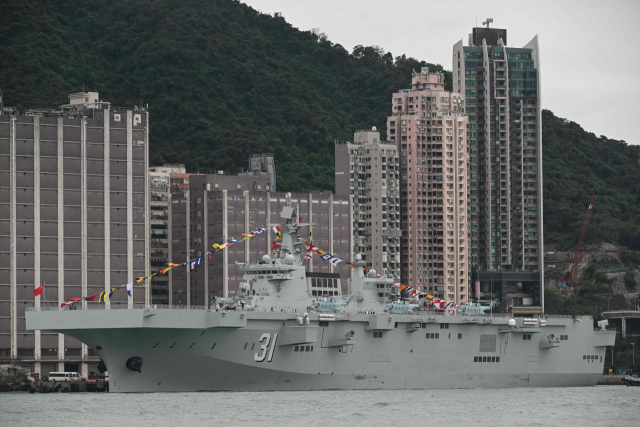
487,22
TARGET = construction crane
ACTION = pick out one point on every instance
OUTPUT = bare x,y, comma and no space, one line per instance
583,234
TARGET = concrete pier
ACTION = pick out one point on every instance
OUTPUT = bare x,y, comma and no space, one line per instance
629,322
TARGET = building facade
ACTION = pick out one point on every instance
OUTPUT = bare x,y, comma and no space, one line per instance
73,215
367,170
171,180
163,181
205,216
430,129
501,86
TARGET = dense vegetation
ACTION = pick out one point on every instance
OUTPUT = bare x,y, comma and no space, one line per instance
224,81
578,165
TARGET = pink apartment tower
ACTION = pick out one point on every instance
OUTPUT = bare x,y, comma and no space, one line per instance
430,129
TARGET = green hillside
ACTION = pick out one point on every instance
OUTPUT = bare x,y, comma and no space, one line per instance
578,165
224,81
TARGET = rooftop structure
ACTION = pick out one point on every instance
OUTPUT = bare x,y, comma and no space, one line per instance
261,165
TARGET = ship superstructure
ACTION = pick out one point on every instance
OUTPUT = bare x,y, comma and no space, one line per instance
286,329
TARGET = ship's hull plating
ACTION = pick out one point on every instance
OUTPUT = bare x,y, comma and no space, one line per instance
183,350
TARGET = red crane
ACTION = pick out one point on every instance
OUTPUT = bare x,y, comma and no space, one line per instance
583,234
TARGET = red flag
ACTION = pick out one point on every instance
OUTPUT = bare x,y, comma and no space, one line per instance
38,291
70,301
275,245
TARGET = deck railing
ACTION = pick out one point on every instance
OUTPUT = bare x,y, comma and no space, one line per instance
298,310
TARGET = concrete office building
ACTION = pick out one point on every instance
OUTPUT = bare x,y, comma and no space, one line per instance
73,212
163,181
206,216
247,181
430,129
501,86
367,170
173,179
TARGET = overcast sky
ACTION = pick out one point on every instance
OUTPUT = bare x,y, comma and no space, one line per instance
589,50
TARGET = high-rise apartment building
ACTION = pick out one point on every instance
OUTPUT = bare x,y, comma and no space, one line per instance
161,186
205,216
430,129
73,216
367,170
501,86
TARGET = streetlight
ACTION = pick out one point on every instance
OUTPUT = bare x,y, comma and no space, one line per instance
633,355
608,303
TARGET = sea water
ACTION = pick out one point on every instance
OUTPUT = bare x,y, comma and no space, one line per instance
592,406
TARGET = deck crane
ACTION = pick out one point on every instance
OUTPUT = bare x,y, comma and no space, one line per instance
583,234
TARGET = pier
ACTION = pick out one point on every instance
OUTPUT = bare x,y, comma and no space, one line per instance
69,386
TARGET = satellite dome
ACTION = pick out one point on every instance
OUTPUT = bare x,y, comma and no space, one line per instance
266,259
289,259
374,128
512,322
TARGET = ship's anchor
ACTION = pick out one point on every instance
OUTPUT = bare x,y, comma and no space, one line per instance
135,363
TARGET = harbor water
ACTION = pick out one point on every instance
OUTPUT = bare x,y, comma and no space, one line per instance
589,406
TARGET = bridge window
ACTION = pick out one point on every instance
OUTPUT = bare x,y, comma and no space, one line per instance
486,359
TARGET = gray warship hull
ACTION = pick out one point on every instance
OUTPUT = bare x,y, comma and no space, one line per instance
201,350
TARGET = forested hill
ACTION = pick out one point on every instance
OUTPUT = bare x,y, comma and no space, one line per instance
223,81
578,165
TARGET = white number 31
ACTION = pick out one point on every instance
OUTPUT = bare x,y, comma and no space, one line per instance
266,337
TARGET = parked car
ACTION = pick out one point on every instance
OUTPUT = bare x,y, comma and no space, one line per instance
65,376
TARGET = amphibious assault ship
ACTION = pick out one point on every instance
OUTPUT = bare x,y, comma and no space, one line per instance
286,330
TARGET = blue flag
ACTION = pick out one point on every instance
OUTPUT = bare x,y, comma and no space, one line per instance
195,263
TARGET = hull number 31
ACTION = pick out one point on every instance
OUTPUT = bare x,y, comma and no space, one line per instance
265,348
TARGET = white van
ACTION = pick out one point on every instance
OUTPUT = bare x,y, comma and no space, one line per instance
64,376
